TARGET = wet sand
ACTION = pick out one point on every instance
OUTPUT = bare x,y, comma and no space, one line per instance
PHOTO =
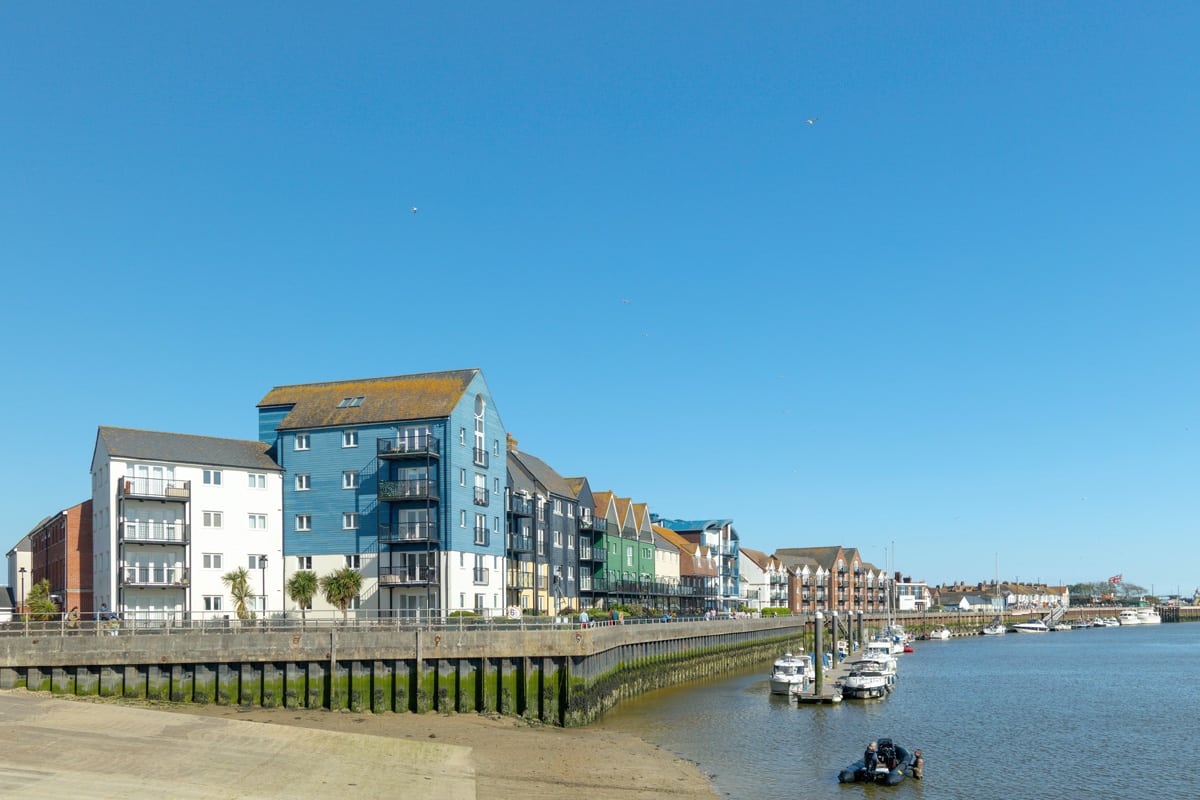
155,750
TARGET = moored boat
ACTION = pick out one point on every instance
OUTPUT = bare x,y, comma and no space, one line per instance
1129,617
995,629
891,764
791,674
1148,616
865,682
1033,626
940,632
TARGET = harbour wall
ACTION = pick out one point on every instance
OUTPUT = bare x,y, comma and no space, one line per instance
567,676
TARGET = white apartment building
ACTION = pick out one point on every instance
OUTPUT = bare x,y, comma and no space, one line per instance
173,513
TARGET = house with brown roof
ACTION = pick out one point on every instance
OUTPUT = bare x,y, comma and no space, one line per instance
699,572
401,478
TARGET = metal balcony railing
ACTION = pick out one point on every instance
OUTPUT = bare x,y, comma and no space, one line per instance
155,488
520,543
482,496
415,446
409,489
483,536
520,506
154,576
400,532
481,457
138,532
408,576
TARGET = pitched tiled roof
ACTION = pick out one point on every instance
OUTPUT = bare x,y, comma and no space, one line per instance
623,517
758,557
602,500
543,473
576,485
674,538
184,448
640,514
825,556
428,395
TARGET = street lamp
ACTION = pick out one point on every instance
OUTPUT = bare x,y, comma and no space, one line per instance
262,563
21,607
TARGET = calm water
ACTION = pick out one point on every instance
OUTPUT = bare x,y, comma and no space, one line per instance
1097,713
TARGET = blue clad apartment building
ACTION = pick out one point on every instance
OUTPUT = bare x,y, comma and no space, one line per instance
401,478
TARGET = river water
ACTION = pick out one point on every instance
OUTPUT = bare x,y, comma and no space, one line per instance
1097,713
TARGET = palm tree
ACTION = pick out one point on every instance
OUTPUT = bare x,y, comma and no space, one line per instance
340,587
39,604
300,588
238,582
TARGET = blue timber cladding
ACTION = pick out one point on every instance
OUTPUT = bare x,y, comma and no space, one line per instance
459,462
268,421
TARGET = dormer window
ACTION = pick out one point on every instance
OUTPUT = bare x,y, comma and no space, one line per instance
351,402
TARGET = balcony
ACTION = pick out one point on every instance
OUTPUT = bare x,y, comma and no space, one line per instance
481,457
482,496
483,536
165,489
422,445
404,532
408,576
481,576
154,577
520,543
520,506
590,523
154,533
595,554
585,583
520,580
409,489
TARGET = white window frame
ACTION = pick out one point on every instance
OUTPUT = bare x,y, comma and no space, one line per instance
350,479
256,480
304,522
558,539
557,507
212,519
254,560
349,438
354,561
212,560
212,477
302,442
212,602
304,563
349,520
303,482
257,522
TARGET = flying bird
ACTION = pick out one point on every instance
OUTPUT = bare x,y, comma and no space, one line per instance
812,121
414,209
626,302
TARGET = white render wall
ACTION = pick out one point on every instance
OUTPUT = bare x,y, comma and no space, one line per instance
234,541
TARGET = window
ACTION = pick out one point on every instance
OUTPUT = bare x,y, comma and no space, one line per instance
303,481
350,479
212,519
212,560
257,480
570,541
304,522
212,602
570,573
462,435
558,538
350,521
212,477
354,561
629,556
570,511
258,522
256,561
462,519
462,477
301,441
304,562
541,542
349,438
351,402
558,507
481,531
495,447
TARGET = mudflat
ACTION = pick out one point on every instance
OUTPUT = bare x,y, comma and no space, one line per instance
94,748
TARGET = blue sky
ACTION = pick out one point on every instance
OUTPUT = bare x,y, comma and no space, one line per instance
954,317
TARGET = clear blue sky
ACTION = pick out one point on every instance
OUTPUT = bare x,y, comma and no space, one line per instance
958,313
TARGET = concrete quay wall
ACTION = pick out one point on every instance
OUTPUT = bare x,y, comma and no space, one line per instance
564,676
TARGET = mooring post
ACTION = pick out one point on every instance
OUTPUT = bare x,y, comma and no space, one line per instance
818,663
860,628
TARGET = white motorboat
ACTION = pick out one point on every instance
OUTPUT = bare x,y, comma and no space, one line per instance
886,665
1062,626
995,629
1033,626
1129,617
864,682
940,632
792,674
1148,616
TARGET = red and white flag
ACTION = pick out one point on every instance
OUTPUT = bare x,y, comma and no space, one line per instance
1116,578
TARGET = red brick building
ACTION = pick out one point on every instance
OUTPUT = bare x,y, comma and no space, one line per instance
61,552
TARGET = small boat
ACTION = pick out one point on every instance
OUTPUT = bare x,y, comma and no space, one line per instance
1081,624
1062,626
995,629
1033,626
892,763
940,632
1148,616
1111,622
792,674
908,648
864,682
1129,617
885,665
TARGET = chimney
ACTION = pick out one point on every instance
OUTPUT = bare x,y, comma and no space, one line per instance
510,443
